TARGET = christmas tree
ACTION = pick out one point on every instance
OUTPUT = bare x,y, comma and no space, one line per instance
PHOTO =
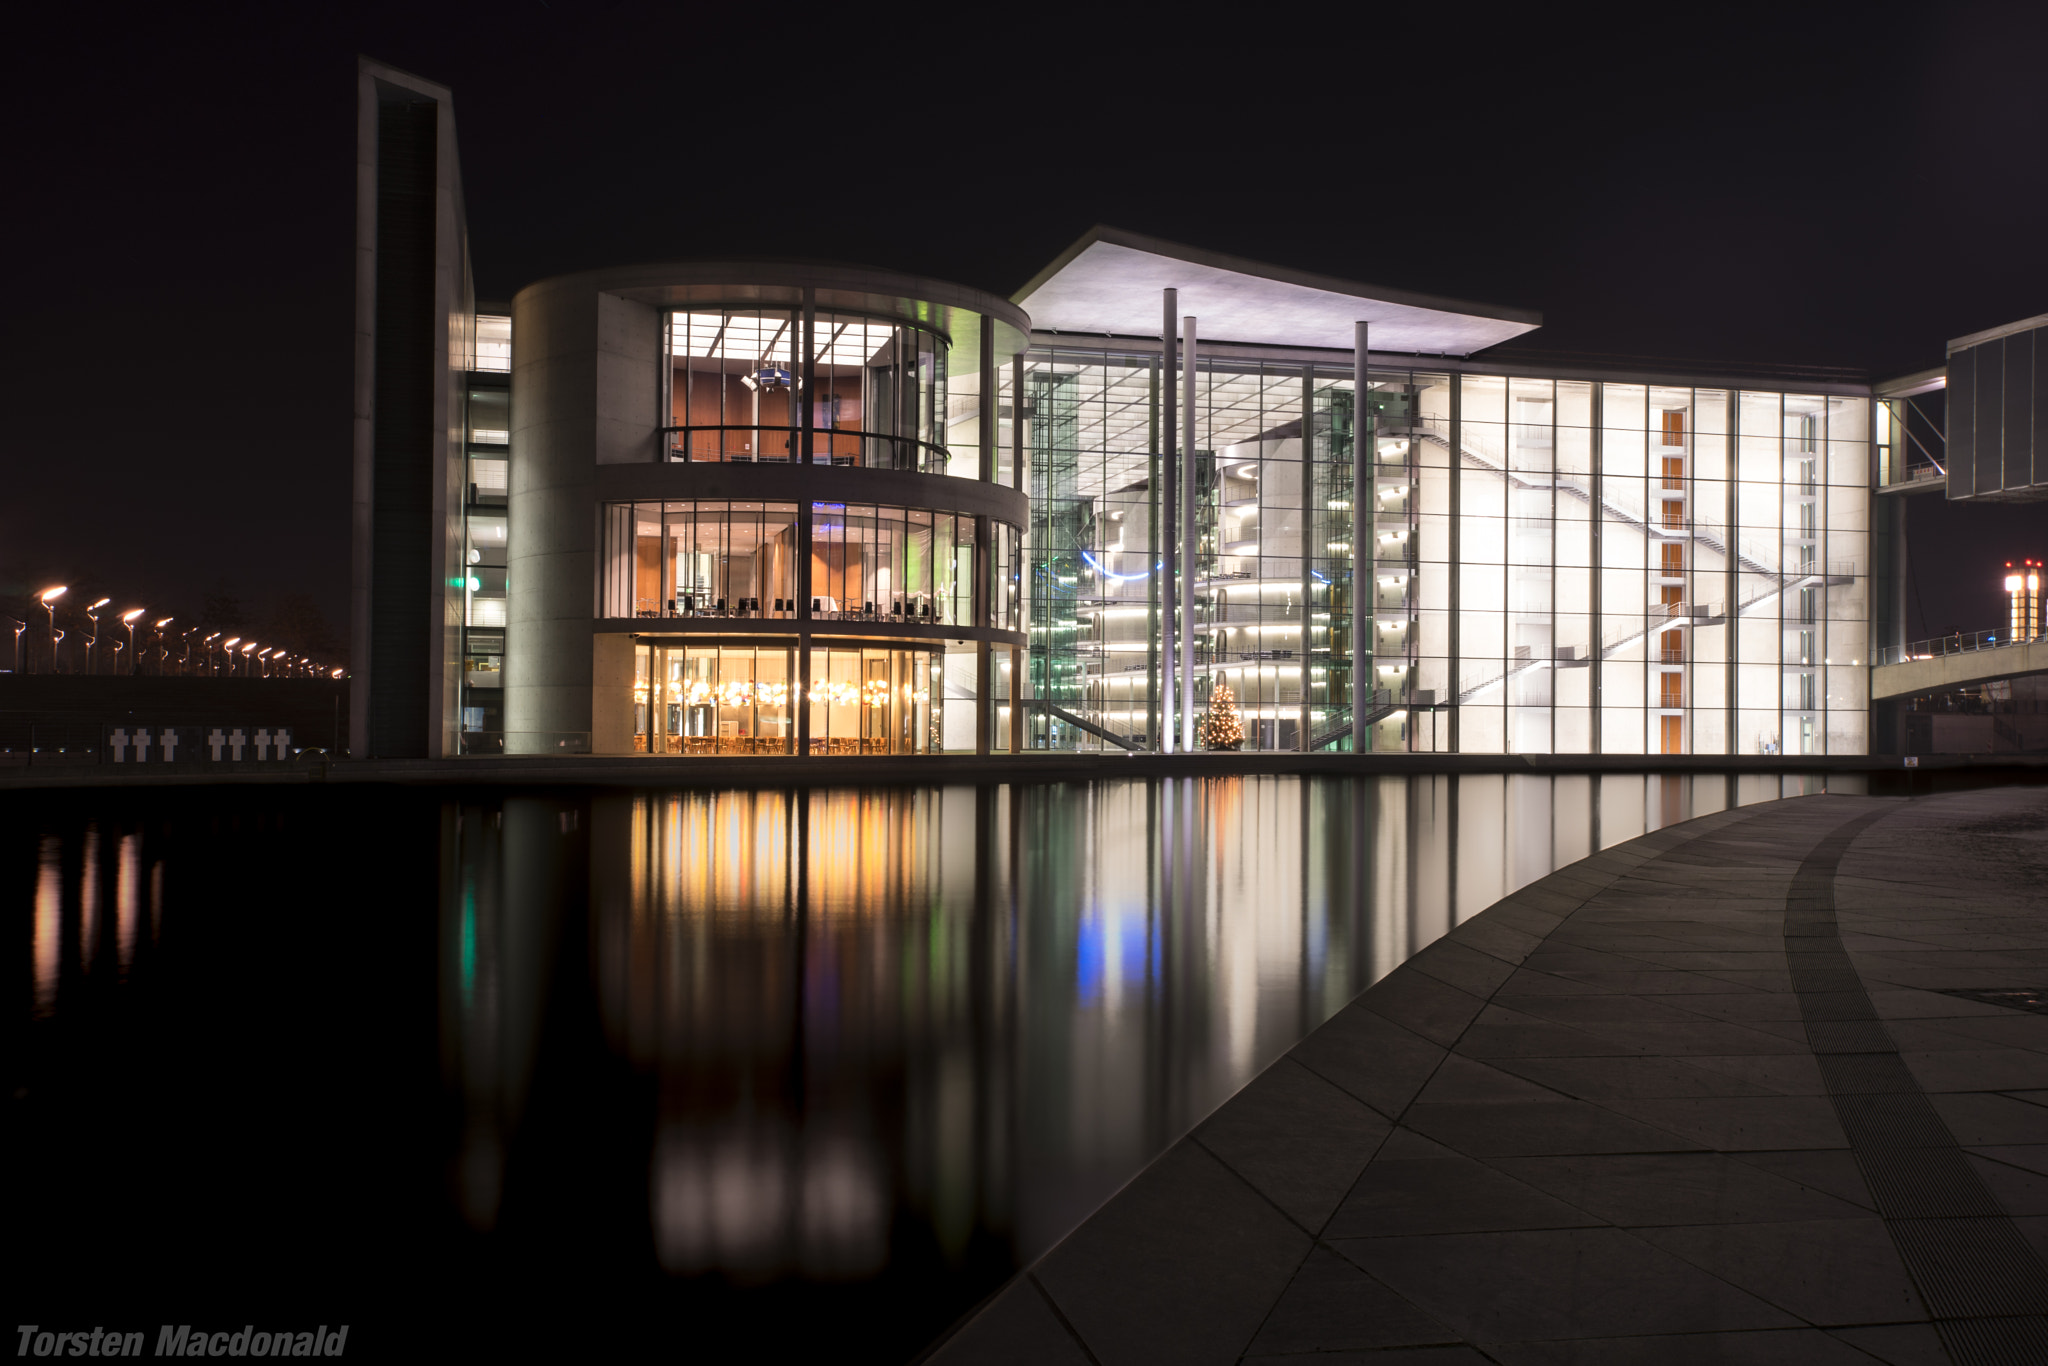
1220,728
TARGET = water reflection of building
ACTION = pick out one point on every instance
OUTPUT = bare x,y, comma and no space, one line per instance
943,1024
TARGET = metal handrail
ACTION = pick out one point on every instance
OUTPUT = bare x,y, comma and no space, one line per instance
929,456
1957,644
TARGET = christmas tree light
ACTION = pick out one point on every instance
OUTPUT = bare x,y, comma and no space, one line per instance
1220,728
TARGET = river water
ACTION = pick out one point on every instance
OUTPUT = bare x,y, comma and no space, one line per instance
788,1073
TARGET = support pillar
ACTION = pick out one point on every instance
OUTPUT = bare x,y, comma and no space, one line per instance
1364,542
1305,736
1167,499
984,687
1188,546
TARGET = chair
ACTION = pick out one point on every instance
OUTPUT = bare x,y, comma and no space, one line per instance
867,609
720,609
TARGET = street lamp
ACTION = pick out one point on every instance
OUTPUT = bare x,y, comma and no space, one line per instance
48,597
19,627
162,652
247,650
134,660
227,650
208,643
92,642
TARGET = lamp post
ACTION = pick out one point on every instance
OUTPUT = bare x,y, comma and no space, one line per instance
208,643
134,660
162,651
92,642
48,597
19,627
227,651
247,651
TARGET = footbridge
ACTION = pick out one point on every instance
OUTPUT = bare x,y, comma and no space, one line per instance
1956,662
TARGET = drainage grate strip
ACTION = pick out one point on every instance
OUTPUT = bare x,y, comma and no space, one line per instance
1977,1275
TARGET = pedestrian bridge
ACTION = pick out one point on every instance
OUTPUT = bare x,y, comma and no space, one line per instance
1941,672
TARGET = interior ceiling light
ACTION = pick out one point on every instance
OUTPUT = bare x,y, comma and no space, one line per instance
769,340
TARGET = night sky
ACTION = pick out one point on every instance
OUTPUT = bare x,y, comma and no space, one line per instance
1843,186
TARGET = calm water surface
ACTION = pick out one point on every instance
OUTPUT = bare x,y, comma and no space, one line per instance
682,1072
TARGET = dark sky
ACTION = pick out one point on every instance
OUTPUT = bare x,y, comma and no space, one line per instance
1822,185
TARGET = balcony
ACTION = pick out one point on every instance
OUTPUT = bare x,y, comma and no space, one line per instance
781,446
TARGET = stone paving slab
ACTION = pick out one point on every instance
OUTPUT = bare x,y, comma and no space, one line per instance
1699,1098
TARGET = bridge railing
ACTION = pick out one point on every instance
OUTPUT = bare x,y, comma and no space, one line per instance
1959,643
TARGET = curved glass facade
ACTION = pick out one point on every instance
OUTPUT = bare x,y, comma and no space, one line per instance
714,558
742,698
738,560
874,391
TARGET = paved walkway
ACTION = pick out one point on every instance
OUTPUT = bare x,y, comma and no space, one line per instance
1721,1094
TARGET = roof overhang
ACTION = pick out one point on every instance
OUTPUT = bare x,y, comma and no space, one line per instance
1913,385
1109,282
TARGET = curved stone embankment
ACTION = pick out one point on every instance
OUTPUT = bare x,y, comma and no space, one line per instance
1752,1088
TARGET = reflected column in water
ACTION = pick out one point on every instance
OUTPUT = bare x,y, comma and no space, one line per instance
128,898
89,899
48,948
506,877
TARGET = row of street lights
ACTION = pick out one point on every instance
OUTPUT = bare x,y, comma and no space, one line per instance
234,657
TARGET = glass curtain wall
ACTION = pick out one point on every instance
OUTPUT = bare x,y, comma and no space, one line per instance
714,698
699,559
904,565
726,698
1559,566
876,700
736,381
909,566
1646,569
486,482
1266,543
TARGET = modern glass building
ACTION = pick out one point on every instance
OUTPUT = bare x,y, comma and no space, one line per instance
774,509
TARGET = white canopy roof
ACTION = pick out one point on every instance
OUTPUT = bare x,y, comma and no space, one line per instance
1110,282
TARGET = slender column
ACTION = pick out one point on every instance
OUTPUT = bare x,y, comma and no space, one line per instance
1304,740
1188,547
989,440
1596,650
803,617
1734,567
1152,577
1020,660
1165,497
807,376
1364,542
984,683
1454,693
